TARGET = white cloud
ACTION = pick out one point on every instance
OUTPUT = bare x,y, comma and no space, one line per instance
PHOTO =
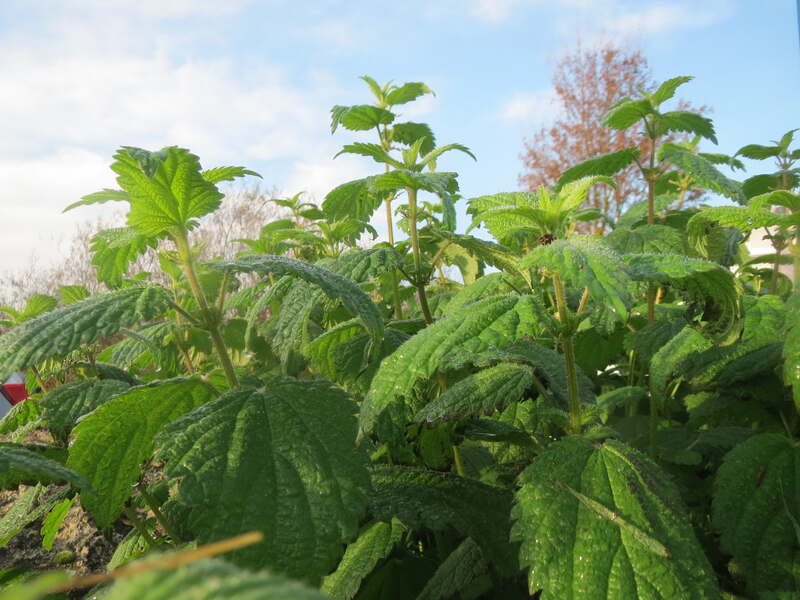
661,18
69,102
530,108
496,11
319,176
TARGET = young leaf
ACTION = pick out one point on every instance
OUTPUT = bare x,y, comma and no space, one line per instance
112,442
436,501
69,402
408,133
490,322
374,151
359,118
585,262
626,112
756,512
280,460
65,329
210,578
168,191
53,521
667,89
758,152
101,197
361,556
220,174
407,92
604,521
605,164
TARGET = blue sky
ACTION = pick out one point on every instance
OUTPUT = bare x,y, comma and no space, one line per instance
251,83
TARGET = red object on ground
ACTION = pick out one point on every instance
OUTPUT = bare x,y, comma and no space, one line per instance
15,392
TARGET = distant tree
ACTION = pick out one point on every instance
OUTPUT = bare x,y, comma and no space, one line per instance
242,214
587,82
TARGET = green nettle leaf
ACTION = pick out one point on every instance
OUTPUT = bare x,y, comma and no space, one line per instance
689,122
19,464
210,578
626,112
408,133
492,254
279,460
668,88
65,329
638,211
755,510
115,249
758,152
360,117
111,443
549,366
791,348
658,239
167,191
603,521
438,501
605,164
53,521
480,394
132,546
586,262
442,183
461,568
373,545
494,321
67,403
669,357
695,276
101,197
220,174
703,171
491,284
356,199
70,294
407,92
21,414
373,151
334,285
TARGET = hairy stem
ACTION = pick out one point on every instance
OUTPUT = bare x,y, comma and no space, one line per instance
210,321
418,282
153,506
575,417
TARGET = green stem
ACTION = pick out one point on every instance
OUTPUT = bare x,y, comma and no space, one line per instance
653,425
140,527
153,506
651,219
457,461
418,282
210,321
575,417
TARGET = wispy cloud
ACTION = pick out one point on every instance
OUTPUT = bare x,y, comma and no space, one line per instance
660,18
530,108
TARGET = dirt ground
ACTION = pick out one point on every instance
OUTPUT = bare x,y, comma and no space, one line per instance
91,548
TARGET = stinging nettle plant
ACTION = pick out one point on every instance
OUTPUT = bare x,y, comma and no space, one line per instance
548,414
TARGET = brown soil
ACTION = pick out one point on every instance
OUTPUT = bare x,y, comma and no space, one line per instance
92,548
